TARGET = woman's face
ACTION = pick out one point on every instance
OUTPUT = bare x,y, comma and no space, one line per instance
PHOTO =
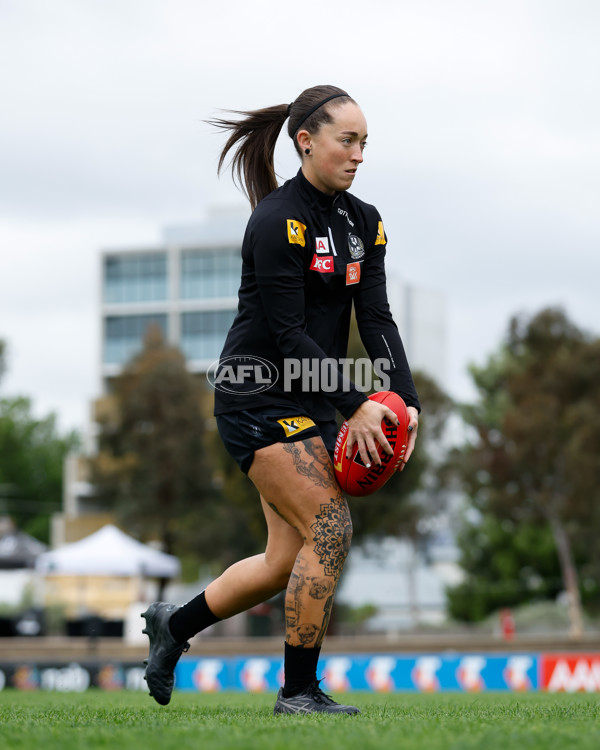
336,149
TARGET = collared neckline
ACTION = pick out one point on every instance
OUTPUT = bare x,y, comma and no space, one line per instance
314,195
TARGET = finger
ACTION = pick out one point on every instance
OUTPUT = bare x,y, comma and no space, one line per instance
391,415
363,453
371,448
349,444
412,439
383,442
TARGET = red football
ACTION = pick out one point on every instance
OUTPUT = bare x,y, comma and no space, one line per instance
352,475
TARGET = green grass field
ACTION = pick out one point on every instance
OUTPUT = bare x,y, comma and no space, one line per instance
76,721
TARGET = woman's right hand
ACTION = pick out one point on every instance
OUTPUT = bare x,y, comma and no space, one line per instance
364,428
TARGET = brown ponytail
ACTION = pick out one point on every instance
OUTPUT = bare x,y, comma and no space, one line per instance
256,134
253,160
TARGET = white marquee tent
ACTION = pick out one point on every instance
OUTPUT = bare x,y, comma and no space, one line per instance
108,552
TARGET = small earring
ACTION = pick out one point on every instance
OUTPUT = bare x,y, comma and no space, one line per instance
307,151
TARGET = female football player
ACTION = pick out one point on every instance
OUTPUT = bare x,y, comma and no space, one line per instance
311,250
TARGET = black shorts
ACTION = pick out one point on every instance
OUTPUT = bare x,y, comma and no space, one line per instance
244,432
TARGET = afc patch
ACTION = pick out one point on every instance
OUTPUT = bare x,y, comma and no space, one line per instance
322,265
381,240
352,273
295,231
292,425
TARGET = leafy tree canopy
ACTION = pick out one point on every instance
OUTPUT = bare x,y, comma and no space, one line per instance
533,457
32,452
151,464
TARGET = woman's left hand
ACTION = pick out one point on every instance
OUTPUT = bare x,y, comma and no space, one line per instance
413,426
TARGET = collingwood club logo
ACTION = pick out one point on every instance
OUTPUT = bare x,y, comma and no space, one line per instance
242,374
356,247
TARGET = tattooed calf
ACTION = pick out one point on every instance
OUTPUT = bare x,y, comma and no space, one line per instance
326,616
293,599
306,633
319,587
333,534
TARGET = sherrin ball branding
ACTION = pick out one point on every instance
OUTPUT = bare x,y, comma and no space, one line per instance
353,476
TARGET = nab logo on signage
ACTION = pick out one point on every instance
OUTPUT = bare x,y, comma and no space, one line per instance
322,265
424,673
336,673
468,673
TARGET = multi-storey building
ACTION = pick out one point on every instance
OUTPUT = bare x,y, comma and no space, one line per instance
188,287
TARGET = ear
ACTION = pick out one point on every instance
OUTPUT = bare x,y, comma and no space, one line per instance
304,139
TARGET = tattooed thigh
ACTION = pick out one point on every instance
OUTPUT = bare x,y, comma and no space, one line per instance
311,460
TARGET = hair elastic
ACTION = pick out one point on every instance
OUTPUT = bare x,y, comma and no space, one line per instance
315,108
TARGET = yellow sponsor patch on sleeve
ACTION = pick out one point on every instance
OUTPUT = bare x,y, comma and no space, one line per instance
381,240
292,425
295,230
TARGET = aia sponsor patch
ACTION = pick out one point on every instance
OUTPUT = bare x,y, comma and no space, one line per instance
292,425
322,245
295,231
352,273
323,264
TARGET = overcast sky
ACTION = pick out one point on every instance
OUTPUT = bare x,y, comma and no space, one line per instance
483,155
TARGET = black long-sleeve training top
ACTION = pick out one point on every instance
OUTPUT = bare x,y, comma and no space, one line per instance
306,257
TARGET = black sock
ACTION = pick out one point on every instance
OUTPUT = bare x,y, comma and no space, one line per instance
300,668
191,619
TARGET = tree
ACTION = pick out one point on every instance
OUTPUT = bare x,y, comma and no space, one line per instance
151,464
506,564
533,460
31,463
163,471
2,358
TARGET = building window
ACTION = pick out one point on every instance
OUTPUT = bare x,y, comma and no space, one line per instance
136,277
203,333
124,335
210,274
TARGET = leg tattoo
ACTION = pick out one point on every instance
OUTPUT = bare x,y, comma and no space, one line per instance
293,600
333,533
319,587
317,467
306,633
326,616
303,609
